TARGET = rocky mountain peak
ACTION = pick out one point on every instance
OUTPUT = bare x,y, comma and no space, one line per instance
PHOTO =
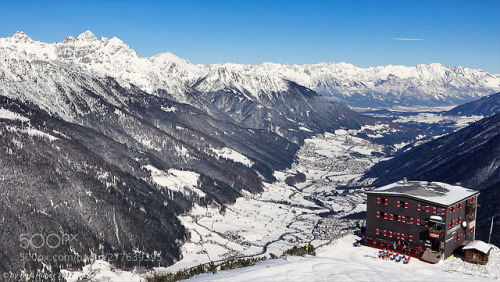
20,37
87,36
68,39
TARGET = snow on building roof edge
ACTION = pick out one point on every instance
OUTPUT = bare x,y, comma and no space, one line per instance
478,245
434,192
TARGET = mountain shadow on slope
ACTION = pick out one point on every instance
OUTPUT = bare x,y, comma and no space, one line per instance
52,184
486,106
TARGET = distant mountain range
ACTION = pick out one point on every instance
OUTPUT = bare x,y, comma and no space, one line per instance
167,75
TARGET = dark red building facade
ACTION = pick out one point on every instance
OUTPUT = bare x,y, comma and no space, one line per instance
432,215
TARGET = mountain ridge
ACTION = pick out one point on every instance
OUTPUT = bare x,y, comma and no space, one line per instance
432,84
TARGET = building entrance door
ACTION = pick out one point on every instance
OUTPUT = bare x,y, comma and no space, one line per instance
435,244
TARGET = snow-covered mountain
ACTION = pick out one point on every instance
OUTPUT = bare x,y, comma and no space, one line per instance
432,84
108,57
166,74
229,92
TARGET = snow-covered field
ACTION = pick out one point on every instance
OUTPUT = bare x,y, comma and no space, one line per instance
336,261
423,117
431,118
340,261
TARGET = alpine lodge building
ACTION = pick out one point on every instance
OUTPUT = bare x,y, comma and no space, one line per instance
431,215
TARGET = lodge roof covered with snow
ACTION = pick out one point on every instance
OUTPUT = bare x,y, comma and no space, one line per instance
436,192
478,245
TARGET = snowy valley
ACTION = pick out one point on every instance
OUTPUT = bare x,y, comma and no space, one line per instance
324,211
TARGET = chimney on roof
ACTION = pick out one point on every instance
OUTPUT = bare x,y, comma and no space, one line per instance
405,181
429,183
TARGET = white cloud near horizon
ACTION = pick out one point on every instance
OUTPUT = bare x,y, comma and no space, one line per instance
407,39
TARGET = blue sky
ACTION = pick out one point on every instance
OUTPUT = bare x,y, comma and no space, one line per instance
364,33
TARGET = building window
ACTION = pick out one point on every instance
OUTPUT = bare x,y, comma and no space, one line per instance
427,208
392,216
382,201
382,215
410,238
385,232
418,221
404,219
419,207
398,236
443,211
399,218
411,220
377,231
434,210
390,234
400,204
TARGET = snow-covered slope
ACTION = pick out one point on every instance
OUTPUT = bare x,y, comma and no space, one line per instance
342,262
338,261
167,74
229,76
